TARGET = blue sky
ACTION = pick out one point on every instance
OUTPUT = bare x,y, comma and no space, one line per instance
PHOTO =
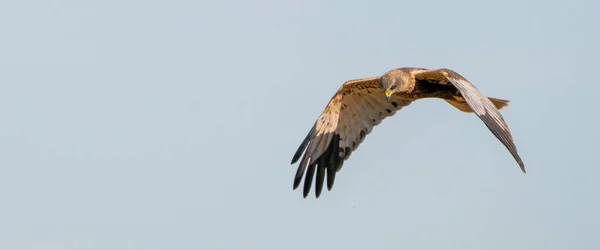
171,125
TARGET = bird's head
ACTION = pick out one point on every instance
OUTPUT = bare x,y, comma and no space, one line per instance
396,81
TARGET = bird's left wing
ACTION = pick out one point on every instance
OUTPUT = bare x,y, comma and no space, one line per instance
480,104
350,115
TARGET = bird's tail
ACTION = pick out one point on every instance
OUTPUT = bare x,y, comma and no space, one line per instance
460,103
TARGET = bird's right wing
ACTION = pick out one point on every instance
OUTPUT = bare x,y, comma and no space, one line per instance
350,115
480,104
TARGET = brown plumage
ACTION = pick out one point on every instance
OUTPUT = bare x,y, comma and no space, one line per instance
361,104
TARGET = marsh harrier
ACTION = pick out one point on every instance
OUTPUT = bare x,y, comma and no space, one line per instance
361,104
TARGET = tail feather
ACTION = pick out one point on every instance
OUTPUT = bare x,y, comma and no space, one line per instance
499,103
460,103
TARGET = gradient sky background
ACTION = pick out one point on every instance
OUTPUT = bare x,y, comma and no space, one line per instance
171,125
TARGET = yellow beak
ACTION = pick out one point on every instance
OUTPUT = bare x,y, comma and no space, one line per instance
388,95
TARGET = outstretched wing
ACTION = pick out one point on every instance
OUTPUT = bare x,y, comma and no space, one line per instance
479,103
350,115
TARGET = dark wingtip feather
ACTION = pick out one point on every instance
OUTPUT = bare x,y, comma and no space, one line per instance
301,168
303,144
330,177
297,182
521,164
333,161
326,165
320,176
310,172
306,161
298,177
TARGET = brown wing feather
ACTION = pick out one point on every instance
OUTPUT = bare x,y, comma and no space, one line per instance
349,117
480,104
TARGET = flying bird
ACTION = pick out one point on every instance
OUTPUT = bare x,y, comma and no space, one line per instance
361,104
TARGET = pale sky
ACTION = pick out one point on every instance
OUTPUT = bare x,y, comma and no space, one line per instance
171,125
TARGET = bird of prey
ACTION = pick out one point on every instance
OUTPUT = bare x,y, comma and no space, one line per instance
361,104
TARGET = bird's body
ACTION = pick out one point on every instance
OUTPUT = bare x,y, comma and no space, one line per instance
361,104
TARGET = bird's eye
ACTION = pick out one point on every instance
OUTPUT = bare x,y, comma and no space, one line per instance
393,87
